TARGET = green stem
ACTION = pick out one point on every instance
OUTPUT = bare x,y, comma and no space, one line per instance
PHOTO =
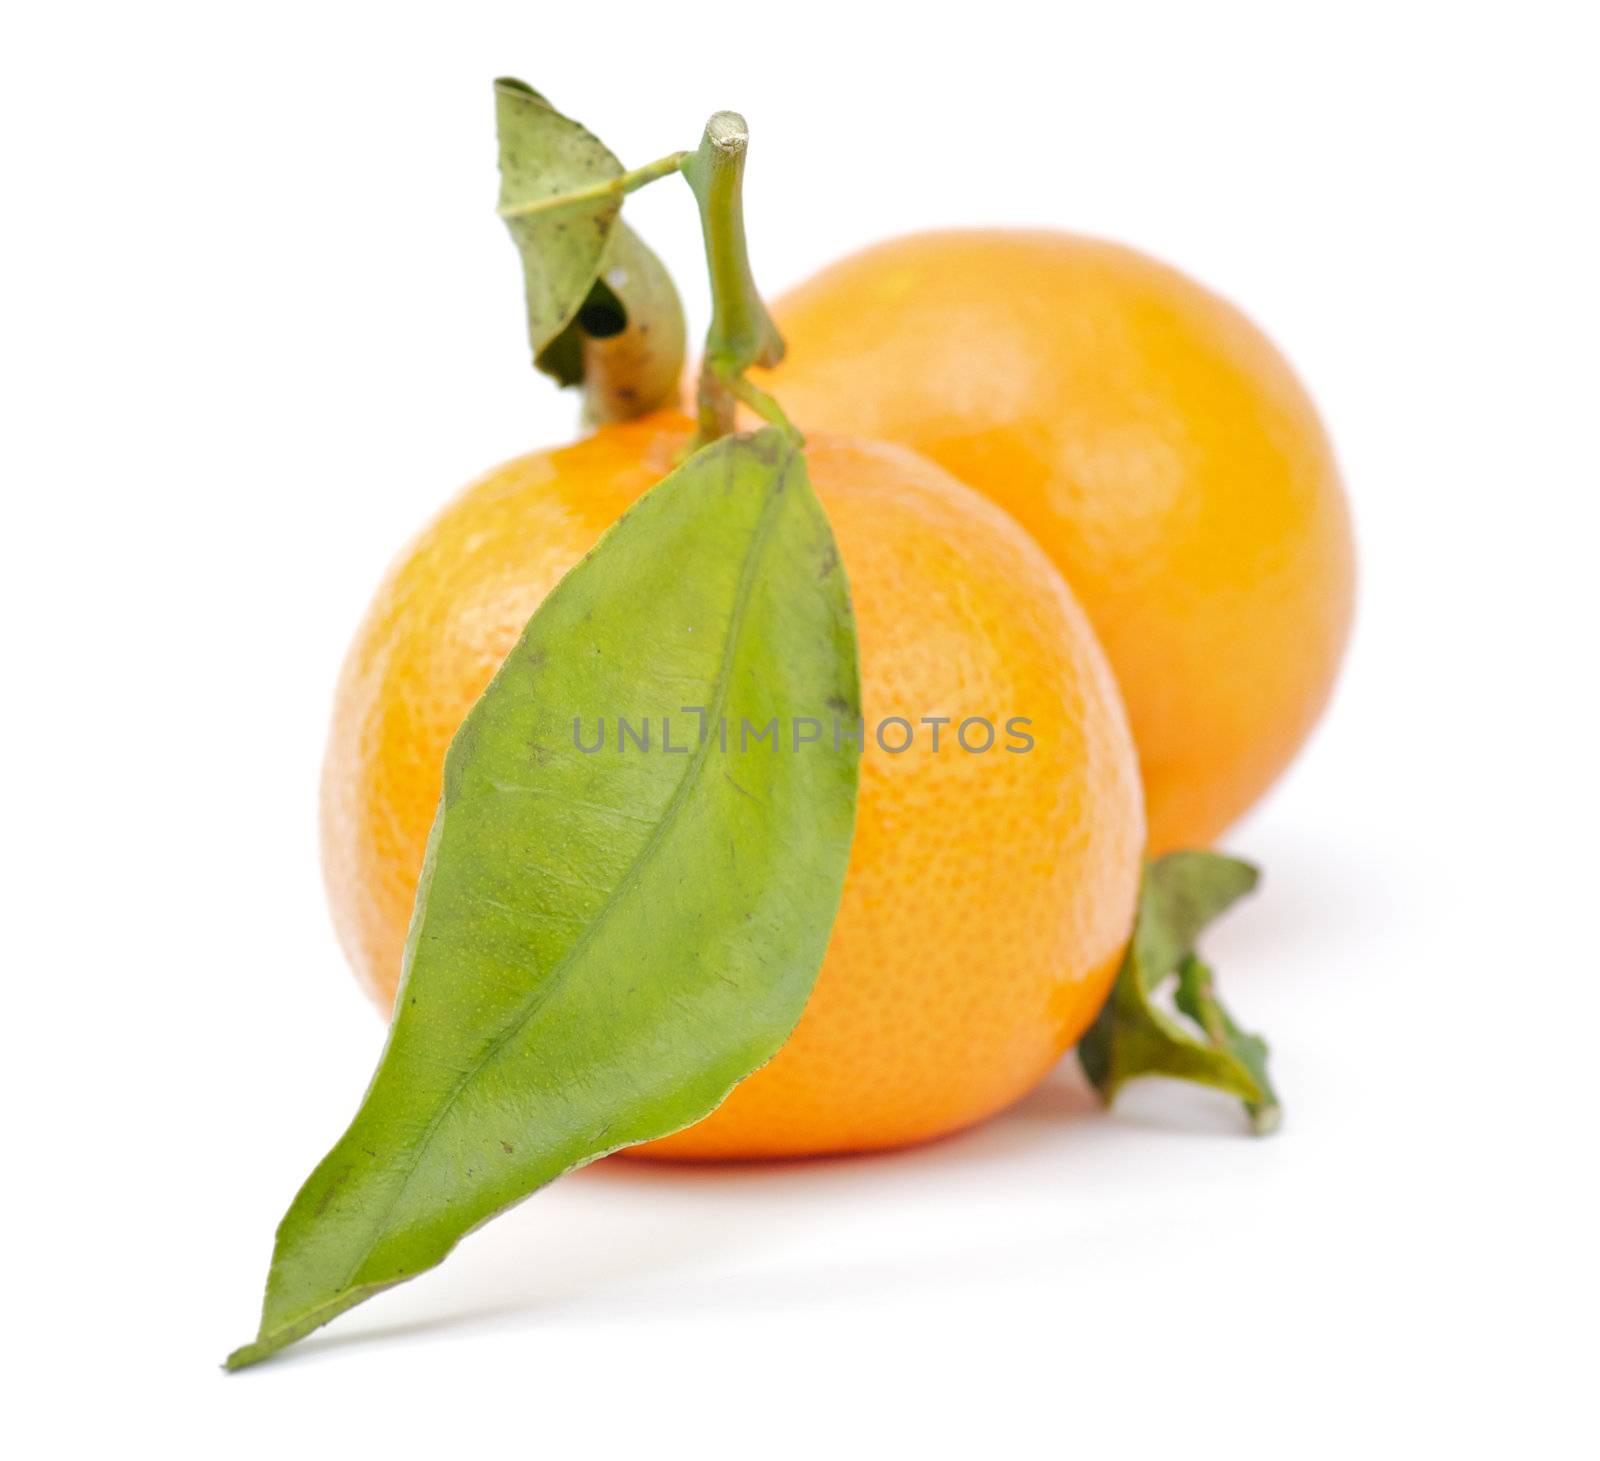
742,333
627,182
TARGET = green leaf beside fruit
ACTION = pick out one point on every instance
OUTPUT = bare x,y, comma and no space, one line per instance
1133,1036
605,941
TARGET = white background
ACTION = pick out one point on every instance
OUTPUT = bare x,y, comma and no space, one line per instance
259,320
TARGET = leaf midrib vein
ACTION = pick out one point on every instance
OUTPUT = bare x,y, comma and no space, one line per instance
540,996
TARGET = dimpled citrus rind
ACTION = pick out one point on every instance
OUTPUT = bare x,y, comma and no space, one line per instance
1152,440
989,894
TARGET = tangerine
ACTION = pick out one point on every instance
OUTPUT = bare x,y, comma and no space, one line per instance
1155,444
990,892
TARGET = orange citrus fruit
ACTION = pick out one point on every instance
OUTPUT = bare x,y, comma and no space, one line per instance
989,893
1151,439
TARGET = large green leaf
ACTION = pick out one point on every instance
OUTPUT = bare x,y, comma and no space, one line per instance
604,943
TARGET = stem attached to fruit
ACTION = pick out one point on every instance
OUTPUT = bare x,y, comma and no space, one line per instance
742,333
627,182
